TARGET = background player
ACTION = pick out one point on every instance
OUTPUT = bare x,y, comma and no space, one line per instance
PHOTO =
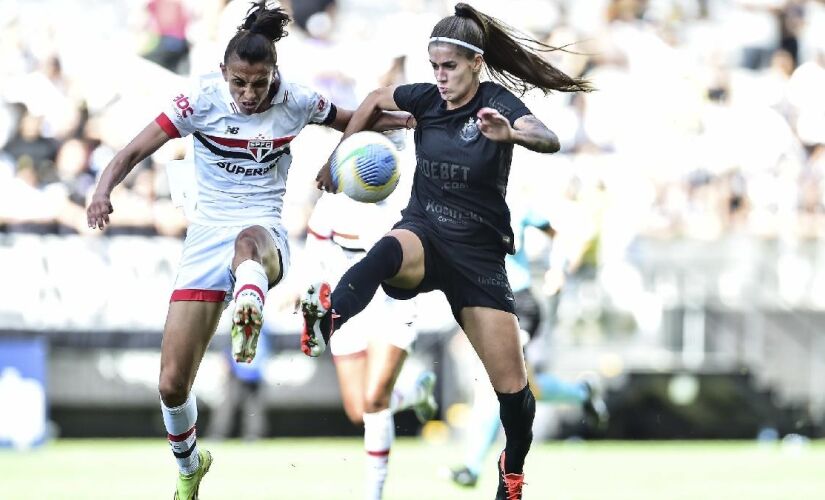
370,350
456,230
243,120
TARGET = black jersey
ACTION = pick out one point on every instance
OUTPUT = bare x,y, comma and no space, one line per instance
461,176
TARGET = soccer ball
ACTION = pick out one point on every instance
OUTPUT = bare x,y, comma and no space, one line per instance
365,167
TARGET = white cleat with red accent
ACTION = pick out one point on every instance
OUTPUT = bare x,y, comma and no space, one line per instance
246,327
314,306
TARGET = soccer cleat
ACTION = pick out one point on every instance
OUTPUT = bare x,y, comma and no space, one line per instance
509,485
427,408
314,306
595,409
246,327
188,484
464,477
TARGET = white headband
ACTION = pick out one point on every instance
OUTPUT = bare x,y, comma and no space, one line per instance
456,42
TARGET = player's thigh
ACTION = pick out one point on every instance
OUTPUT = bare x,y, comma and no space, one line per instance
384,363
268,245
412,268
494,335
188,330
351,370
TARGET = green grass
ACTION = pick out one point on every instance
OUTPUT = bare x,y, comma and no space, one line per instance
319,469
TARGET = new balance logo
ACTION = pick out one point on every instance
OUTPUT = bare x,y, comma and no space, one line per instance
232,130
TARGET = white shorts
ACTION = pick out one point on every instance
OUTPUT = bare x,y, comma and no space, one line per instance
205,270
384,319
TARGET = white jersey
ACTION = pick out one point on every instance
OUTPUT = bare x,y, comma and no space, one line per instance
341,230
350,224
241,161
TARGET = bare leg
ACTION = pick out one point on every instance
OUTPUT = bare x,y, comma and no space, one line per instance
494,335
189,327
352,370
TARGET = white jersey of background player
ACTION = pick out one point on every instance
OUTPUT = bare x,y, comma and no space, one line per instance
341,230
370,350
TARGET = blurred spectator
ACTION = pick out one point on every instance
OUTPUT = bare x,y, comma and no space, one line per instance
30,143
758,30
25,206
135,200
168,21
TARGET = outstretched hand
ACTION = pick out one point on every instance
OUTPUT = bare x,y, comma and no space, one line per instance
494,125
323,180
97,213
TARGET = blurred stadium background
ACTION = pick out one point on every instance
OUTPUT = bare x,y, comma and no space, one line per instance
693,177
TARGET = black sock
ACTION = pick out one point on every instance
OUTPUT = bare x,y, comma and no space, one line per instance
358,285
517,411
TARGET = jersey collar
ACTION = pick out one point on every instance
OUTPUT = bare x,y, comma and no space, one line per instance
282,94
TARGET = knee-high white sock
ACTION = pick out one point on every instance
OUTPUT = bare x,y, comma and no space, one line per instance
406,393
251,281
379,432
180,426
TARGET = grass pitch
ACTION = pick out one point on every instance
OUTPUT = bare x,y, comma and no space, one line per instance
332,469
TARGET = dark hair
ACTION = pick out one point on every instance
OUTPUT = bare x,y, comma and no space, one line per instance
255,40
512,58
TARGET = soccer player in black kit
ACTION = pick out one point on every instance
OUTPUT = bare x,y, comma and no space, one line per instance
455,231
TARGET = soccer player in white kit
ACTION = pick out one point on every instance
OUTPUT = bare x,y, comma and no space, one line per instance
242,120
370,350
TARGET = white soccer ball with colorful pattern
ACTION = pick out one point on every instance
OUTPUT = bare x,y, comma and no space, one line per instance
365,167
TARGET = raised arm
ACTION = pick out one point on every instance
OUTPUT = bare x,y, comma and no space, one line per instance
144,144
387,120
371,110
527,131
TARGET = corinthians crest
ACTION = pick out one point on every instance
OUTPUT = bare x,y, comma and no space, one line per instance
469,132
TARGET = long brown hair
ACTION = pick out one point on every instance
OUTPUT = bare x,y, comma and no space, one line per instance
512,58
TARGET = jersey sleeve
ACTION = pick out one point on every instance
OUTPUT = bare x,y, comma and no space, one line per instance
182,114
321,111
412,97
509,105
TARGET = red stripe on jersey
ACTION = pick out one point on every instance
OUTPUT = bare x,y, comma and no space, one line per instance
244,143
317,235
382,453
191,294
167,126
252,287
181,437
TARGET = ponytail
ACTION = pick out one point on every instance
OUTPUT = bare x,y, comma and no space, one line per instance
255,40
512,58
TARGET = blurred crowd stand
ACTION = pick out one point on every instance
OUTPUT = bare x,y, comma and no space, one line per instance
696,168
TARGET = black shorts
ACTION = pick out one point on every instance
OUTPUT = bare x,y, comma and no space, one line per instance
469,275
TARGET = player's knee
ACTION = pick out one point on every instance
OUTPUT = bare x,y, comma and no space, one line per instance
246,246
374,403
173,390
355,414
356,417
